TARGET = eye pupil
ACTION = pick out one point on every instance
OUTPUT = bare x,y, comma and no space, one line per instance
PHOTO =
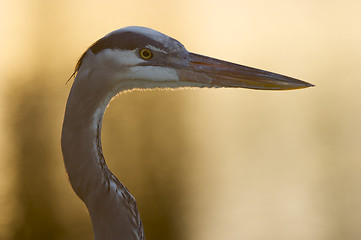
145,53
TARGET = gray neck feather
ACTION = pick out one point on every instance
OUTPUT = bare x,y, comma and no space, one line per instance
112,208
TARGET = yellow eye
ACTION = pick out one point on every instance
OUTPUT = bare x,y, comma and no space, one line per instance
145,53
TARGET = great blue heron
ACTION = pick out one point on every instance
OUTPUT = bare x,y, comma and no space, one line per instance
129,58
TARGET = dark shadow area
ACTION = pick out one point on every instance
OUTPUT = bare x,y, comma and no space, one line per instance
32,133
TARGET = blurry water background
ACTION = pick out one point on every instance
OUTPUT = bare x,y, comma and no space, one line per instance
202,164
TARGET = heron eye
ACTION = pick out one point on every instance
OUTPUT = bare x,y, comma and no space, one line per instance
145,53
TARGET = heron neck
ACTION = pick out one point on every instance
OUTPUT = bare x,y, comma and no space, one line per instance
81,140
112,209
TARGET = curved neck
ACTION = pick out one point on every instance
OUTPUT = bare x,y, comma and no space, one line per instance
112,208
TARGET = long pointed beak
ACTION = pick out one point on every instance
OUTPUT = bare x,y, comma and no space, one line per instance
217,73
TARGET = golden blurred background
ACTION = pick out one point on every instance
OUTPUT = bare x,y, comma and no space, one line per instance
202,164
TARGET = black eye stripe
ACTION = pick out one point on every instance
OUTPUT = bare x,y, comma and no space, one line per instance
131,40
124,40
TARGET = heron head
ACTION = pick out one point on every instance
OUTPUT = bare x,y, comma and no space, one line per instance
139,57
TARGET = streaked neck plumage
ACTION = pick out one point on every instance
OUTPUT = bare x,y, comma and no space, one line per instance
112,208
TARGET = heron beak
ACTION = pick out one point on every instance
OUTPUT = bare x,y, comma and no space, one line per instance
218,73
